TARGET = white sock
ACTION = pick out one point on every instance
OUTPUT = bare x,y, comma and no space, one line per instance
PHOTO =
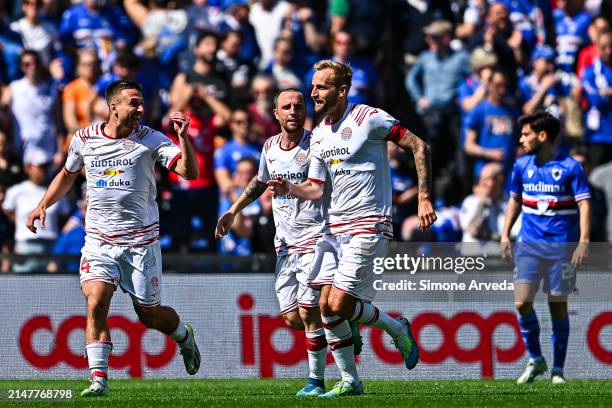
97,358
340,340
370,315
316,346
180,333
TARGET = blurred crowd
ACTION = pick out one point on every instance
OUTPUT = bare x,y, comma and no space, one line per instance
457,73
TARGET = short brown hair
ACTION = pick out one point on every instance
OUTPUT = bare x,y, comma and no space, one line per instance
115,88
343,74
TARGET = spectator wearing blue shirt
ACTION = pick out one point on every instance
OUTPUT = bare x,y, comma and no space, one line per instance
471,92
540,89
227,157
10,52
433,82
571,26
491,134
70,241
597,85
87,25
237,18
283,68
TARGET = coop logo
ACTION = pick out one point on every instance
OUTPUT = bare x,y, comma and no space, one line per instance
135,358
258,346
112,183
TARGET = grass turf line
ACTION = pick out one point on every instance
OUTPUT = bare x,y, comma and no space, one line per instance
272,393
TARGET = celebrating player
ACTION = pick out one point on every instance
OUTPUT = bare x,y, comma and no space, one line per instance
122,222
550,188
350,146
299,225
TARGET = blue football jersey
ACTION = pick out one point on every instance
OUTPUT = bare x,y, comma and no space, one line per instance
549,194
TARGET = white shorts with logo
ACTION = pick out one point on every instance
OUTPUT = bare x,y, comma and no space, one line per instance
293,276
136,270
355,254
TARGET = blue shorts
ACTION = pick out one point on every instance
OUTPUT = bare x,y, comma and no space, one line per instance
558,275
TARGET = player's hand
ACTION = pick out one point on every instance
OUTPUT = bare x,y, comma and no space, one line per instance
426,214
580,255
224,224
279,187
38,213
181,123
505,250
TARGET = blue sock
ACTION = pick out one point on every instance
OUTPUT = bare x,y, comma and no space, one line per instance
559,337
316,382
530,331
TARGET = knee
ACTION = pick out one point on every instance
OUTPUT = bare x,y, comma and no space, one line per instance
293,320
524,308
558,310
324,306
97,306
335,305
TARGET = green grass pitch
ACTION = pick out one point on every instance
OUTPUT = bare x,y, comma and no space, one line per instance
279,393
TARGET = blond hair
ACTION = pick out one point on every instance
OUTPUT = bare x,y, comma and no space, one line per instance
343,74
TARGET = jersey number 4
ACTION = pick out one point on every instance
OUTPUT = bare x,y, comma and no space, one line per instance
85,265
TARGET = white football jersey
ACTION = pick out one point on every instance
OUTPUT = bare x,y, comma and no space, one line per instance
353,153
121,207
299,223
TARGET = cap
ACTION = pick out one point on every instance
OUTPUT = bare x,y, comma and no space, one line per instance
543,52
481,58
228,5
438,27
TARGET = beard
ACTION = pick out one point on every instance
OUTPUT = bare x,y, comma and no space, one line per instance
326,105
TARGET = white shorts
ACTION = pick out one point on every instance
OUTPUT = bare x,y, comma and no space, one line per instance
355,254
137,270
293,276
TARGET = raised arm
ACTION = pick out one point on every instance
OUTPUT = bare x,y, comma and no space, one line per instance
187,165
58,188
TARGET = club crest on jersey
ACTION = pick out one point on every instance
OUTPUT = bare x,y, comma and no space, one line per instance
301,158
346,134
542,206
530,173
556,174
154,281
128,144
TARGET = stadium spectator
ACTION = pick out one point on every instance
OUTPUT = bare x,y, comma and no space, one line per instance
597,85
601,178
482,213
88,25
238,71
162,28
10,166
35,106
203,90
366,84
571,26
23,198
7,232
589,53
472,91
238,240
264,124
267,17
80,95
237,18
499,35
491,131
433,83
540,90
364,19
309,40
241,145
10,50
36,34
262,227
282,67
71,239
599,200
403,188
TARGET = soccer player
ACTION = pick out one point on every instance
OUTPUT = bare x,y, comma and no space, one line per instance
550,188
122,223
299,225
350,148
